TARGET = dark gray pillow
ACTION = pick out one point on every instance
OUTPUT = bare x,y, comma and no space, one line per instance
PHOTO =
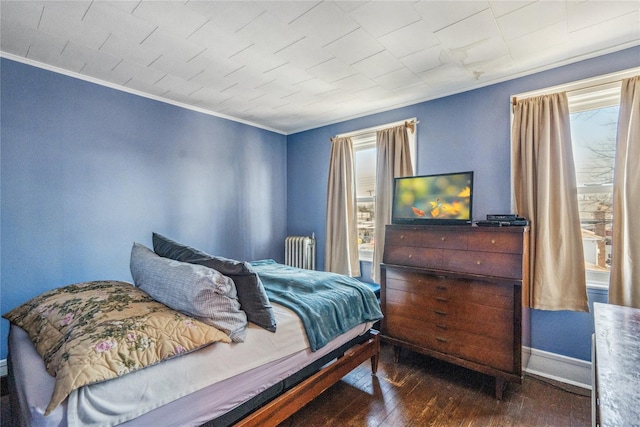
198,291
253,298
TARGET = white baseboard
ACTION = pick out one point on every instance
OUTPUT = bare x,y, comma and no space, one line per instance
576,372
3,368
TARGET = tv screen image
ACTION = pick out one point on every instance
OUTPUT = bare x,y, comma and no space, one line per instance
433,199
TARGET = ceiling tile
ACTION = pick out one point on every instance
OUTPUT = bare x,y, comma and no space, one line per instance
448,73
441,14
354,47
292,65
324,23
217,41
410,39
168,44
17,38
522,48
531,18
380,18
354,83
398,79
269,34
172,16
378,65
304,54
469,31
131,70
426,59
26,13
228,16
107,17
289,11
93,58
331,70
117,46
621,31
585,14
501,7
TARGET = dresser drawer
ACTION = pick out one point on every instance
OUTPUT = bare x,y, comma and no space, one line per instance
483,263
413,256
406,236
445,239
497,353
495,242
446,314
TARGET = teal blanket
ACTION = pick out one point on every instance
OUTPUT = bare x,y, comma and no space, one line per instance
329,304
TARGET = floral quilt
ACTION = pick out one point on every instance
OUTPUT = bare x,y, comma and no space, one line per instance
95,331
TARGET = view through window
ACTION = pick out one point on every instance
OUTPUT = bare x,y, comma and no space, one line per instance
593,135
365,160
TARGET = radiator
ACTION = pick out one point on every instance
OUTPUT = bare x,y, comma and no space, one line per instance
300,251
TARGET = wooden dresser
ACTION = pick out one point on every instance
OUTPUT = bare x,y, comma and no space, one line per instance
455,293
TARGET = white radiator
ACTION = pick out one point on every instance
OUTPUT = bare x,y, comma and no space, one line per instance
300,251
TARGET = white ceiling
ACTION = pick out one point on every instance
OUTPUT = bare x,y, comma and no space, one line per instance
289,66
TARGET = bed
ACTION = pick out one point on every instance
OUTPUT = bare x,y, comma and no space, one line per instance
259,376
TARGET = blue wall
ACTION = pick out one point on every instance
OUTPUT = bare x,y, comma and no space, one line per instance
88,170
468,131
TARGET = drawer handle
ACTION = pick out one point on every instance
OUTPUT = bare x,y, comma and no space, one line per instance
443,340
444,327
478,262
440,287
493,241
440,312
410,256
443,238
401,236
442,299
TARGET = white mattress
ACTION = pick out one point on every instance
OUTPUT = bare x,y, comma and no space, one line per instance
186,391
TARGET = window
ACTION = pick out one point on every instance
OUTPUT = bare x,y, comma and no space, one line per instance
364,147
593,135
594,106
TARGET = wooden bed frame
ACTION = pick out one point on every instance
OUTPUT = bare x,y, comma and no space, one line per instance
285,405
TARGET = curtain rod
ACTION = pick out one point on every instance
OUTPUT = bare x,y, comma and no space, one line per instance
409,124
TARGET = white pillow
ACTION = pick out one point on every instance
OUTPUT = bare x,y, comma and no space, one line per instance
193,289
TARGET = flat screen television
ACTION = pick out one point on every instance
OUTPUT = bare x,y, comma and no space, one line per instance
444,199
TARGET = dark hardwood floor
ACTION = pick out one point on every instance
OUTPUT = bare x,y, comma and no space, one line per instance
421,391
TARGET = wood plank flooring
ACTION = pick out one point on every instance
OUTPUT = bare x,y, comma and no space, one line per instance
421,391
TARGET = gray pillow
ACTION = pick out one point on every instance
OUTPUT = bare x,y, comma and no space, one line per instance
198,291
253,298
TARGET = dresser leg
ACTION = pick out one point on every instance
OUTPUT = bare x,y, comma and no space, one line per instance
500,384
396,353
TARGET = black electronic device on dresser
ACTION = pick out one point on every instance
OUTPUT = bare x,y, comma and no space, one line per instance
455,293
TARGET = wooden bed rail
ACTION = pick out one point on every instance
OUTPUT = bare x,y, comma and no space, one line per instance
285,405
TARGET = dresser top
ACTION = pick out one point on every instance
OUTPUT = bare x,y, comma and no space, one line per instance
461,228
617,335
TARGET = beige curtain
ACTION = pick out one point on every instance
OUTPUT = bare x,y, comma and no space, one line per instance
624,286
545,191
393,160
341,247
